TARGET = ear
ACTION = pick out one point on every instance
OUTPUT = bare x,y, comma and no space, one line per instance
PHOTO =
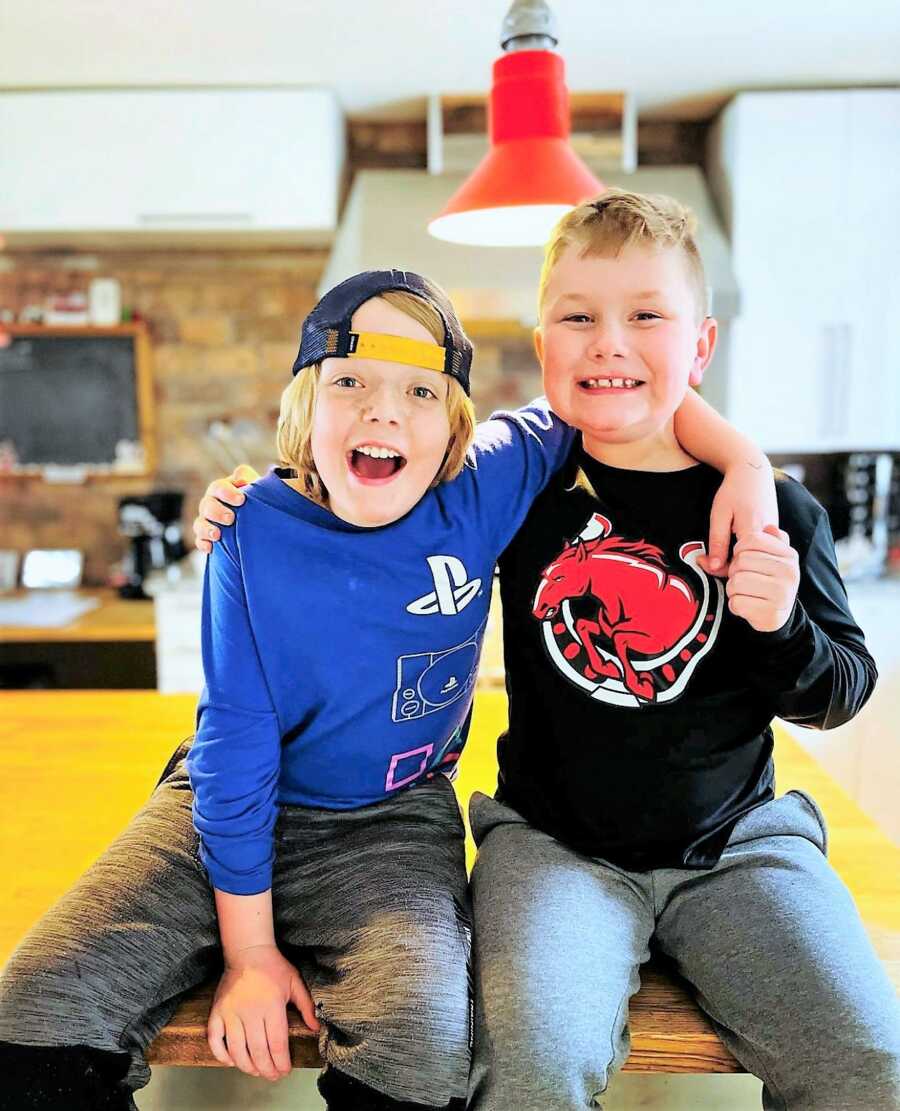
706,346
537,337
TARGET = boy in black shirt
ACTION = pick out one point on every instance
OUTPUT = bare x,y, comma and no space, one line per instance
636,796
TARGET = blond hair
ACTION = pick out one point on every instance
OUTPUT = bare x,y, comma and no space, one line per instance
617,219
298,404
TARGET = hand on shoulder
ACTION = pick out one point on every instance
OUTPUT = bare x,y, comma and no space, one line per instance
213,509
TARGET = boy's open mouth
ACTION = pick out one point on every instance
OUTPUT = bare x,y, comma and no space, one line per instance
373,463
595,385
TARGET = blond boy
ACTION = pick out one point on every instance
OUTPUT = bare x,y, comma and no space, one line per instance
636,808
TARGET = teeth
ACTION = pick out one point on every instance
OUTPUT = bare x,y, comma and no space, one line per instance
378,452
608,383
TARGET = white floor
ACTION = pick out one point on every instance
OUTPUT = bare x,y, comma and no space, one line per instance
226,1090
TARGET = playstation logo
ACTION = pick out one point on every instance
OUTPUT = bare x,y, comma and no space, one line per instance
451,594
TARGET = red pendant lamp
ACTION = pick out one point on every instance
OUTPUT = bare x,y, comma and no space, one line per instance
531,175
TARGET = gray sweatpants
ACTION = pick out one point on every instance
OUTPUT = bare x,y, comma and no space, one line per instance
769,938
370,904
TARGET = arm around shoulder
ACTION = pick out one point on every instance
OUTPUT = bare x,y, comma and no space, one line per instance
515,455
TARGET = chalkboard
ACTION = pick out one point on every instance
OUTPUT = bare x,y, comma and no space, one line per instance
71,400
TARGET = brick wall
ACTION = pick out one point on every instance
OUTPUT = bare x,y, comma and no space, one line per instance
224,329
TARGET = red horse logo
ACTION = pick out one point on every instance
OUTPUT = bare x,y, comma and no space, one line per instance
637,605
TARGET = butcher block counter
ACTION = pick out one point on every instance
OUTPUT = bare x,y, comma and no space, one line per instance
76,765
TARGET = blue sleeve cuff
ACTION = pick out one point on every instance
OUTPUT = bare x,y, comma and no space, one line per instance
235,883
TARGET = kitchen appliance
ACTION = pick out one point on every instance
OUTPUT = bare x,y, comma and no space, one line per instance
52,567
863,551
153,524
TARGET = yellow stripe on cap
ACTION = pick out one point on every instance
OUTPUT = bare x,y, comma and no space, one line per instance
396,349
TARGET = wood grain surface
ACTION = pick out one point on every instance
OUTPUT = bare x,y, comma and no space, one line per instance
77,765
115,619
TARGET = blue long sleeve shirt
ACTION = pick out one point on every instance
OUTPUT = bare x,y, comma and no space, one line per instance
340,661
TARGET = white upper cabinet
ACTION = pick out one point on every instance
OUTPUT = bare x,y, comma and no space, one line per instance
809,184
240,160
873,277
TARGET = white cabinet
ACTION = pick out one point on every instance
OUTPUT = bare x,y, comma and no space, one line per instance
179,661
809,184
873,280
163,160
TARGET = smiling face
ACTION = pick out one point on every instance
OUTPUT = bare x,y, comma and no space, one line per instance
620,341
380,429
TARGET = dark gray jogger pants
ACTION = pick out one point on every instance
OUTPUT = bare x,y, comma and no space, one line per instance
770,938
371,905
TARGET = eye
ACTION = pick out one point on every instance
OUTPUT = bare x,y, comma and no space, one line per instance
647,315
424,391
346,381
577,318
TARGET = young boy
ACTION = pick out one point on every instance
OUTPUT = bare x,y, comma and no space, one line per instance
342,623
636,807
636,798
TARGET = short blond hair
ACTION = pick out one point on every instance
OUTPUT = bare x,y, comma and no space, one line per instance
617,219
298,404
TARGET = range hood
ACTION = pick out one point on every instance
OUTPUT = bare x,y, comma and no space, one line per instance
387,212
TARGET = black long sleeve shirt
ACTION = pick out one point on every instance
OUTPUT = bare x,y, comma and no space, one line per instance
640,706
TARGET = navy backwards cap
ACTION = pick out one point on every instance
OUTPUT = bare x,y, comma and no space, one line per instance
326,332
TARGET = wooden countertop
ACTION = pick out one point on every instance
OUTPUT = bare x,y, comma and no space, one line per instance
76,765
115,619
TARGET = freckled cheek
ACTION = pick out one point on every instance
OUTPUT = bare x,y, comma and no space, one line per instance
325,444
428,450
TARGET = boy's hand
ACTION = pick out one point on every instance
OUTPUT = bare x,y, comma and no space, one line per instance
247,1023
763,579
744,503
211,512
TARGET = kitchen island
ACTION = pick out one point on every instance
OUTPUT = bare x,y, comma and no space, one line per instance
76,765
